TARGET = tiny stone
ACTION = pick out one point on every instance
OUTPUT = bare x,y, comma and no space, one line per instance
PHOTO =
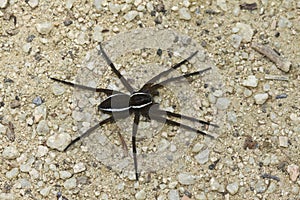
64,174
70,183
149,6
26,47
57,89
261,98
34,174
42,151
3,3
130,15
247,92
173,195
24,183
7,196
197,147
222,103
45,191
260,186
59,141
293,171
79,167
33,3
3,129
97,4
283,141
222,4
97,36
12,173
39,113
236,40
44,28
186,3
25,167
140,195
214,184
245,31
37,101
202,157
42,128
69,4
251,81
187,179
184,14
232,188
114,8
10,152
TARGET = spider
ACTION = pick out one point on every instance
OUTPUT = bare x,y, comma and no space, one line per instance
139,103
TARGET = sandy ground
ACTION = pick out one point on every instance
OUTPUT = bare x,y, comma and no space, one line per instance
256,152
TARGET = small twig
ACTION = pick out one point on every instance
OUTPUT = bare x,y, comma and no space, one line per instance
282,64
269,176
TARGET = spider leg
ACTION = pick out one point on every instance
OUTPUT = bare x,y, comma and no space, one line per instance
162,83
134,132
166,72
114,69
174,123
172,114
106,91
89,131
124,145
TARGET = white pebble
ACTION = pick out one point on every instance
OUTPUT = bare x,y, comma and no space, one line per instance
131,15
3,129
283,141
44,28
39,113
42,128
59,141
42,151
174,195
214,184
186,3
3,3
184,14
69,4
222,103
137,2
246,31
197,147
33,3
222,4
293,171
187,179
261,98
70,183
251,81
64,174
34,174
232,188
149,6
26,47
12,173
24,183
98,4
79,167
236,40
202,157
7,196
140,195
97,36
114,8
45,191
57,89
10,152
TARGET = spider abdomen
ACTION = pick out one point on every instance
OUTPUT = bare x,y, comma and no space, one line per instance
140,100
115,103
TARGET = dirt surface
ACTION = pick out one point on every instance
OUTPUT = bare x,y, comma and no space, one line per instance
255,100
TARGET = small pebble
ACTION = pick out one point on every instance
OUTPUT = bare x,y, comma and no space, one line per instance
251,81
245,31
233,188
3,3
197,147
140,195
3,129
39,113
293,171
202,157
10,152
42,128
45,191
59,141
214,184
33,3
222,103
114,8
70,183
14,172
26,47
44,28
98,4
7,196
24,183
79,167
261,98
283,141
222,4
187,179
173,195
41,151
37,101
97,36
260,186
69,4
184,14
131,15
57,89
64,174
236,40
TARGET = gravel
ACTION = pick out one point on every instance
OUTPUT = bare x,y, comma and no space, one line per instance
79,167
261,98
187,179
203,156
70,183
184,14
251,81
44,27
233,188
59,141
10,153
140,195
131,15
174,195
